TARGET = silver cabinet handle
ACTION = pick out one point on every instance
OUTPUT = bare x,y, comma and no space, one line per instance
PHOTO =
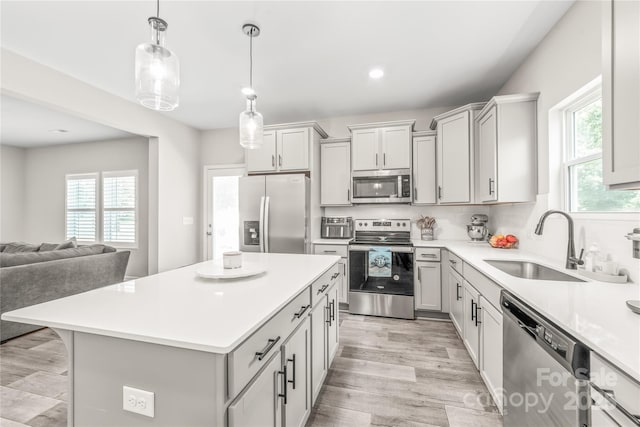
439,192
384,159
453,261
610,396
428,255
348,194
415,193
376,159
491,191
270,343
273,160
458,297
280,160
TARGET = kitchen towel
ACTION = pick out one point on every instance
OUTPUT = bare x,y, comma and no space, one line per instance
380,262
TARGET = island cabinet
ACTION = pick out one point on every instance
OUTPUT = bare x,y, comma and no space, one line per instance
621,94
424,168
381,146
341,250
506,149
454,154
335,172
456,303
286,148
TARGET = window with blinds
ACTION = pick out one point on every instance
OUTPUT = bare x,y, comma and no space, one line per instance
81,207
119,206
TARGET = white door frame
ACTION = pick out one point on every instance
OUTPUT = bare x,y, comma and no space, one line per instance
209,172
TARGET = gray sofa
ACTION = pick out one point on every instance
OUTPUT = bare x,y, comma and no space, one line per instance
31,276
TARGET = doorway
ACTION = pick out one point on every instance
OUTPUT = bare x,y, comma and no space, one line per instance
223,214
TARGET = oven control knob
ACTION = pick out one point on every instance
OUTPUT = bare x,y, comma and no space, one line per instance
360,224
398,224
404,224
365,224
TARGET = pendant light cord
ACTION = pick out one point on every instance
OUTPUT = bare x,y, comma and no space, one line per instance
251,59
158,8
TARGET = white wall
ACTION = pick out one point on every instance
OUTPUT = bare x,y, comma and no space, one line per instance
176,151
12,200
46,168
566,60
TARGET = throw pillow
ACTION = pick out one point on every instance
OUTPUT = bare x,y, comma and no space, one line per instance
69,244
15,247
45,247
2,246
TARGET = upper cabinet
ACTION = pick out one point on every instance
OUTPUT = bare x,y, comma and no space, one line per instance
454,154
621,94
335,172
424,168
377,146
286,148
506,150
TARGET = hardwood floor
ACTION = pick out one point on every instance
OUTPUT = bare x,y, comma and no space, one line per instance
388,372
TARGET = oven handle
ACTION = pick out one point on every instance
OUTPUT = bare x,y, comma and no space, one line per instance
366,248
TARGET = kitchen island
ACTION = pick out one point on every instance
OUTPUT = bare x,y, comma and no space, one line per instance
208,352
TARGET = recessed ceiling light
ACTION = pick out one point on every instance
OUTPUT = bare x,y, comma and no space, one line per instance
248,91
59,131
376,73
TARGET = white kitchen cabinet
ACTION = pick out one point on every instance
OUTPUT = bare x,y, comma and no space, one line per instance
456,300
471,336
506,150
333,334
287,147
491,349
263,159
344,283
454,154
296,357
343,280
424,168
621,94
335,172
381,146
261,403
428,282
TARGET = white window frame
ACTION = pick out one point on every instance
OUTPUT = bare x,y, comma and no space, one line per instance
96,209
99,207
582,98
113,174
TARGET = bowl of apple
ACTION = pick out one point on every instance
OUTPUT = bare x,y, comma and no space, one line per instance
502,241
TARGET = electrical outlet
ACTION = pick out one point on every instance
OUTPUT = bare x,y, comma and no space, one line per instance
138,401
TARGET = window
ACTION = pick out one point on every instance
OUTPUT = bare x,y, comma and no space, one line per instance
82,206
585,191
111,218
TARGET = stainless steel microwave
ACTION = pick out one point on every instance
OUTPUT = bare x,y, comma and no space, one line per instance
387,186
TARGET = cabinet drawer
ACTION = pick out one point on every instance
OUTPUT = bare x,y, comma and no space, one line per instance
244,361
320,287
619,386
487,287
427,254
340,250
456,262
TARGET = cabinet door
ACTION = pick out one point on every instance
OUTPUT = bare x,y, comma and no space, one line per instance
263,159
396,147
344,285
365,146
318,348
456,300
491,350
424,170
293,149
621,94
335,174
471,323
296,356
332,324
487,157
428,286
259,404
454,159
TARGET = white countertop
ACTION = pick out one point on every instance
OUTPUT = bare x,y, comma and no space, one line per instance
332,241
180,309
593,312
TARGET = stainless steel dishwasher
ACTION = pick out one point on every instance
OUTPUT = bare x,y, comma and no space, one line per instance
546,371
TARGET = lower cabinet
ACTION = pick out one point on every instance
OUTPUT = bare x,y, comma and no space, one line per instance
325,336
296,361
491,350
342,251
456,302
428,282
471,335
344,283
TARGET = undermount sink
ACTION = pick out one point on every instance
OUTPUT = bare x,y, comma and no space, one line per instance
531,270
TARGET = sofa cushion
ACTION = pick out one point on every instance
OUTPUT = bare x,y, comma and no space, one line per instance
16,247
71,243
14,259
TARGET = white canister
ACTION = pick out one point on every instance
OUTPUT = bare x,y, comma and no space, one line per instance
232,259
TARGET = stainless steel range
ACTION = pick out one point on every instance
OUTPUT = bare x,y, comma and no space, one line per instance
381,268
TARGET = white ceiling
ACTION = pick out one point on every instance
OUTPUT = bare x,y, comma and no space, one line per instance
311,60
28,125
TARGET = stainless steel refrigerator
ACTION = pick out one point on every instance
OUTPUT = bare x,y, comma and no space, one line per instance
274,213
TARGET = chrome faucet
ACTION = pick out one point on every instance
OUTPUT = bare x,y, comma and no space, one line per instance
572,262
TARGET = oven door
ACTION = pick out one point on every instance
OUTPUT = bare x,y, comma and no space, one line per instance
381,269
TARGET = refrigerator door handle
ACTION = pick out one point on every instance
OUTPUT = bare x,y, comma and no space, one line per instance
266,224
261,230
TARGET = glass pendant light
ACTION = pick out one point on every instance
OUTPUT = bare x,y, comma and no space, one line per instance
250,121
157,69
